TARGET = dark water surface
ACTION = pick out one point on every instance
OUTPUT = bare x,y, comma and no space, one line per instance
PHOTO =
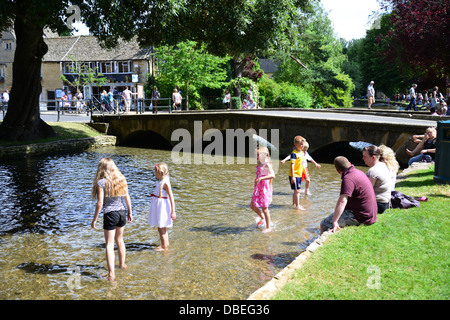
49,251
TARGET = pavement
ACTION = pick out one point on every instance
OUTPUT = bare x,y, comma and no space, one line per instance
353,116
349,115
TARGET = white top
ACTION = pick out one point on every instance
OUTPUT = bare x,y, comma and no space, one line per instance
370,91
383,181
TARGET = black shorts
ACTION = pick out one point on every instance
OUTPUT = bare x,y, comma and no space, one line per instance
114,219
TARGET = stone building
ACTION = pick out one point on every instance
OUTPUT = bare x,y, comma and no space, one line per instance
127,65
7,49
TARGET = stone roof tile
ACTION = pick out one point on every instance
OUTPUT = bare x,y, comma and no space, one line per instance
87,48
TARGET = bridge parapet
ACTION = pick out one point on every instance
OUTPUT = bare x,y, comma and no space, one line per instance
319,129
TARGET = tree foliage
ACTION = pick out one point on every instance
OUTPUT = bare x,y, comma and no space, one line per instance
418,37
228,27
315,61
368,54
188,65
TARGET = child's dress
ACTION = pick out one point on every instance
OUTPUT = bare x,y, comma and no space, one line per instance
262,194
160,209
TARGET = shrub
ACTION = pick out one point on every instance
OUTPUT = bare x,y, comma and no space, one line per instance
235,103
270,89
292,96
262,102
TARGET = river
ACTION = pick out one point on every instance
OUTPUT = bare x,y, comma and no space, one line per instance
49,251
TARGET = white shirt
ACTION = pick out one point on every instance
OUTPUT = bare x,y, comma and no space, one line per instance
370,91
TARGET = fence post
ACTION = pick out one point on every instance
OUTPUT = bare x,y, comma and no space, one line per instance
58,109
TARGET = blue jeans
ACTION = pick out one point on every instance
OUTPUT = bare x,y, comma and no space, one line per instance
412,103
420,158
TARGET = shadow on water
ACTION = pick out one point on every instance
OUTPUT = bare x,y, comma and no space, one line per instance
44,268
131,246
280,260
221,229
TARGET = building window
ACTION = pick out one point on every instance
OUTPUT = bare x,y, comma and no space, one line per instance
105,67
68,67
8,45
124,67
2,73
86,67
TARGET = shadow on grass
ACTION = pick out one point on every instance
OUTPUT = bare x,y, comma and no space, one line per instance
414,184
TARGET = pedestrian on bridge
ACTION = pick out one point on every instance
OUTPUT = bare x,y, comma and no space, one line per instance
370,94
412,96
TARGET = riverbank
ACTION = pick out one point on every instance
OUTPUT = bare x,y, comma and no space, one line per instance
70,137
402,256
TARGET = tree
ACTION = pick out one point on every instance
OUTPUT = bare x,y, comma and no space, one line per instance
388,76
418,36
28,18
188,63
315,61
226,27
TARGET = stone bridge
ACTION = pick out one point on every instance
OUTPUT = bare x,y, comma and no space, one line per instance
326,131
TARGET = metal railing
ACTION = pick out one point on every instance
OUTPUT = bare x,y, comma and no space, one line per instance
95,106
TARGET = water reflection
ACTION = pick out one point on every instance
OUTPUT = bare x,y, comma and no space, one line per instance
216,250
26,200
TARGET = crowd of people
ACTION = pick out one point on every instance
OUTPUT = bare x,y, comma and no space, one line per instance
432,99
247,103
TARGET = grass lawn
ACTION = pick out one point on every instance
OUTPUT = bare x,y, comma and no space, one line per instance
404,255
65,130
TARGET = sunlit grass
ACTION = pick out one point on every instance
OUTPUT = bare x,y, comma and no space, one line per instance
64,130
408,249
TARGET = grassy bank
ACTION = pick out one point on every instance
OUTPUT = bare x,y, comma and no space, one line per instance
405,255
64,130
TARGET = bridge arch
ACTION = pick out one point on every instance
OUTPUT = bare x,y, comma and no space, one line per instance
146,139
352,150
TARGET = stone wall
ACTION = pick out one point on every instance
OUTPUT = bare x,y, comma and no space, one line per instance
47,148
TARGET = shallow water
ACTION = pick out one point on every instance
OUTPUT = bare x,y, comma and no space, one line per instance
49,251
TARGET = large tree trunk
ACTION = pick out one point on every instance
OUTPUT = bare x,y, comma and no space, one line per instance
239,64
22,121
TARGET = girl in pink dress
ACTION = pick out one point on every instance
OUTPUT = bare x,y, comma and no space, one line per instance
262,194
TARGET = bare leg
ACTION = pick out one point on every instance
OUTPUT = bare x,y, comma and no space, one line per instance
164,239
121,247
296,200
257,211
109,240
307,187
267,217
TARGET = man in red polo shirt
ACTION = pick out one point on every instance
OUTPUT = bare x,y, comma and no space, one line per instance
356,204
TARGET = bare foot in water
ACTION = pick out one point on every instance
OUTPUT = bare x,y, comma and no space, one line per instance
267,230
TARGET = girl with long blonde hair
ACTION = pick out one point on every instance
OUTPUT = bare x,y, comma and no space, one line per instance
162,208
110,189
388,157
